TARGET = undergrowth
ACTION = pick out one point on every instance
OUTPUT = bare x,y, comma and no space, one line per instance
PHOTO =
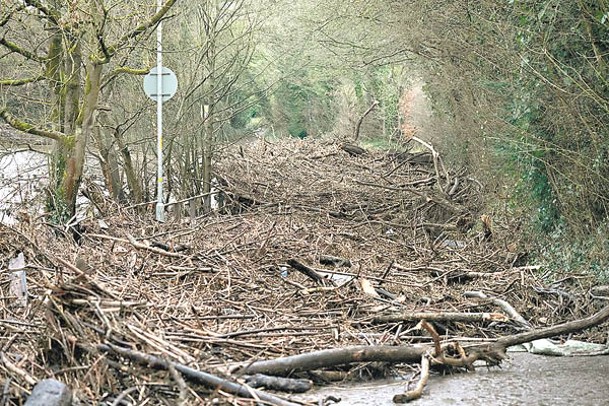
563,252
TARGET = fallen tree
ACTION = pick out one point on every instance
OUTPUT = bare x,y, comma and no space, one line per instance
450,354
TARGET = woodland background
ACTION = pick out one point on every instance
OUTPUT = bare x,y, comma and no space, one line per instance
516,90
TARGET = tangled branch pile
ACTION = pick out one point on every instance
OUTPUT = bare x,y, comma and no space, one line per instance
314,248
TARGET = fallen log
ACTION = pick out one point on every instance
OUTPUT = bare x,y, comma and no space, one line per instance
353,150
493,353
333,357
561,329
211,381
436,355
417,392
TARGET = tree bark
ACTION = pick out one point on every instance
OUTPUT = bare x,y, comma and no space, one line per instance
133,182
109,165
361,120
329,358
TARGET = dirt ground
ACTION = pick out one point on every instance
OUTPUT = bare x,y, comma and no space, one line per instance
389,232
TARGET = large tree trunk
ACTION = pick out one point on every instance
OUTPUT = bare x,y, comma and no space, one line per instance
78,38
58,203
68,159
65,168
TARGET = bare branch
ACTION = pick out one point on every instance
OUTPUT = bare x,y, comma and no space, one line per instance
30,128
49,13
11,46
19,82
111,50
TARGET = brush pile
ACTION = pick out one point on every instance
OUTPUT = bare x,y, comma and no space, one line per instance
313,248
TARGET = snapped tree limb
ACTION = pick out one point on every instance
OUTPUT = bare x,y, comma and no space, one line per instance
207,379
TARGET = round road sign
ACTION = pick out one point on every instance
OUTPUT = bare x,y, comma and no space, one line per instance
169,84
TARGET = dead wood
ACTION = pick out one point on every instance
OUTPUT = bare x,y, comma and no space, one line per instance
508,308
212,381
553,331
440,316
491,353
602,290
159,251
437,355
361,119
286,205
307,271
169,246
438,164
279,383
131,240
352,150
10,366
285,366
417,391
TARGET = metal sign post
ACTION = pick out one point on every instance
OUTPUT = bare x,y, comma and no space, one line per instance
160,207
160,85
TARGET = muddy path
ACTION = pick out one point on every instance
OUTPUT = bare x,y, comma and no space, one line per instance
526,379
387,231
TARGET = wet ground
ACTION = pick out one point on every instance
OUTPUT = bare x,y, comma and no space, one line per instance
526,380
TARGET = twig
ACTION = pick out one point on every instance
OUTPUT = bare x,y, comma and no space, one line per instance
131,240
508,308
153,249
361,119
123,395
440,316
437,162
16,370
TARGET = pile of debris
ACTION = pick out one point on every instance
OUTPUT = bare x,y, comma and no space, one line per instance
314,249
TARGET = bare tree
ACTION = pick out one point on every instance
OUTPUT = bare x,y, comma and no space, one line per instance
67,49
216,84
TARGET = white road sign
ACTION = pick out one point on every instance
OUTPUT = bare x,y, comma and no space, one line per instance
168,87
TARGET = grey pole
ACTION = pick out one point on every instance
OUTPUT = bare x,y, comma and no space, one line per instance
160,207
